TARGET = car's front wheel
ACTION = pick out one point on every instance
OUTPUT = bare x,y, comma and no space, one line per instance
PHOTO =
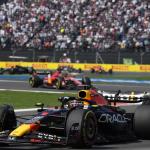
70,85
7,117
142,121
85,124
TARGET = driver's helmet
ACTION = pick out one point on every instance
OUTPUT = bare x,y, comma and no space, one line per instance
64,73
74,103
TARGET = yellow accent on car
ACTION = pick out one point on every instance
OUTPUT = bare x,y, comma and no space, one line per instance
49,81
21,130
85,103
131,97
85,94
95,106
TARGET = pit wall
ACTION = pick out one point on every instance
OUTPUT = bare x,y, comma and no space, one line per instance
53,66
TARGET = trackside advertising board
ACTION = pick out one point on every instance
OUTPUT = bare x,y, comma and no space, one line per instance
53,66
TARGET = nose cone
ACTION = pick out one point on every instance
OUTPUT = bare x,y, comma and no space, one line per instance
20,131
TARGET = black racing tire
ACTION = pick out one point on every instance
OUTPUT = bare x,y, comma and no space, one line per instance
7,117
35,81
86,81
58,83
70,85
142,121
87,128
7,72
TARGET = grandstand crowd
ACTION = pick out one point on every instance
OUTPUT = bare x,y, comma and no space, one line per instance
76,24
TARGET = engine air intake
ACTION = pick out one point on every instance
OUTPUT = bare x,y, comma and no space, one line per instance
82,94
86,94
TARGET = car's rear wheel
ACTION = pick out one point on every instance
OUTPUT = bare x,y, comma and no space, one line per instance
7,117
35,81
70,85
142,121
84,121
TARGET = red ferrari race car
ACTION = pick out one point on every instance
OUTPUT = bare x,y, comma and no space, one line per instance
101,70
59,80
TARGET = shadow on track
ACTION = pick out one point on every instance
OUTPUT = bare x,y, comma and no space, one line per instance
111,146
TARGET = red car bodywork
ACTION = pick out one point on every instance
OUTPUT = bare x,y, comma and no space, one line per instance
93,97
49,79
59,80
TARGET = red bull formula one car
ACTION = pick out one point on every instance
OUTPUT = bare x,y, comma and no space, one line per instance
59,80
80,121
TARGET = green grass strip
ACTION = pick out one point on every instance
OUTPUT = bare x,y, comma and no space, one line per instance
125,76
29,99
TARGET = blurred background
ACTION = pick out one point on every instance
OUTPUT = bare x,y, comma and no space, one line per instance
85,31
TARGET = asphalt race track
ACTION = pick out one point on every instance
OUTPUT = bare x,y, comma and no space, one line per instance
111,87
137,145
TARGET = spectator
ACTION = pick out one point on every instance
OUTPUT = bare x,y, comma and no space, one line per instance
65,59
86,24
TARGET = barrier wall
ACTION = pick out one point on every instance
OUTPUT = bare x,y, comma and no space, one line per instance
52,66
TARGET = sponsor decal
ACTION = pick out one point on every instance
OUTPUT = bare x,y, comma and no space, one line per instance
90,66
40,65
44,113
49,137
35,119
13,64
145,68
45,66
65,65
112,118
75,127
120,67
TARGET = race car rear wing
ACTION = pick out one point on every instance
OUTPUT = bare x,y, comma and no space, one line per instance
125,99
128,98
135,100
43,72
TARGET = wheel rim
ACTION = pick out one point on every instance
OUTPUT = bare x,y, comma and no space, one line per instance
70,85
31,82
58,84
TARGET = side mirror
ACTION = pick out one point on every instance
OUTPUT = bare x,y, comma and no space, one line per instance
41,105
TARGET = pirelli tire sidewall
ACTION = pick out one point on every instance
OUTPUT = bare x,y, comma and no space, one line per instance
70,85
7,117
58,83
87,129
89,123
35,81
142,122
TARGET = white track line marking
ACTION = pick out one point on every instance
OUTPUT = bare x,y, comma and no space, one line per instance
31,109
36,91
118,85
16,90
26,110
12,81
